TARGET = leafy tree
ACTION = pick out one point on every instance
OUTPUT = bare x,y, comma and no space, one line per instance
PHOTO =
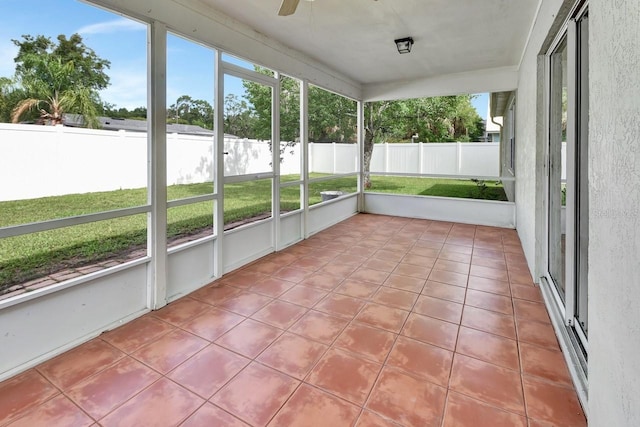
201,114
138,113
331,117
110,110
89,70
58,78
187,110
259,97
53,96
289,110
239,118
10,95
379,123
435,119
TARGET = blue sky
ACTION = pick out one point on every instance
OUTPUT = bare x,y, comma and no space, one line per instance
102,31
123,42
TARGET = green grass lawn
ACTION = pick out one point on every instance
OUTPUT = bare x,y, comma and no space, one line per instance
27,257
465,189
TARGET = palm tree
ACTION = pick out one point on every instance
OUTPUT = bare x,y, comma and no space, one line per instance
8,95
51,90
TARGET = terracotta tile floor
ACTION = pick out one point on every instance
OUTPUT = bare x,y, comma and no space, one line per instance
377,321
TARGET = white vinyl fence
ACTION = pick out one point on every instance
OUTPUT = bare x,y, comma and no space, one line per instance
40,161
456,158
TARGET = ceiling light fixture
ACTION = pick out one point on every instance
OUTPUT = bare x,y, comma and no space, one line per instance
404,45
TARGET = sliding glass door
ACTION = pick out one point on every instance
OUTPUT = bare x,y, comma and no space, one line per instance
557,168
581,159
567,198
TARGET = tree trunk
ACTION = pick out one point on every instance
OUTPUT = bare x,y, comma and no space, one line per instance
368,153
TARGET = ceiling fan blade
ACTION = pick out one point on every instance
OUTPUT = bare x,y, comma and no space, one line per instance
288,7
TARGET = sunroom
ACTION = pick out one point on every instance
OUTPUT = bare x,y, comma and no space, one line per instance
355,306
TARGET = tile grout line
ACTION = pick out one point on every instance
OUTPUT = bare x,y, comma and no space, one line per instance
302,381
384,363
474,398
328,348
448,388
351,322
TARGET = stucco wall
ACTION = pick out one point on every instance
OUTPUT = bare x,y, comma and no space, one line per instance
526,125
614,214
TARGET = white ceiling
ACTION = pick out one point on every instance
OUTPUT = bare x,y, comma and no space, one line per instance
355,37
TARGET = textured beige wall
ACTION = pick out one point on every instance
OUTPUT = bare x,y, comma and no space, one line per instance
527,160
614,214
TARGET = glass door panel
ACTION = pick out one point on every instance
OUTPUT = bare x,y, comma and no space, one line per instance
567,195
557,169
582,182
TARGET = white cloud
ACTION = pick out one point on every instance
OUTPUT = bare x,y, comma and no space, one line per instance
128,87
107,27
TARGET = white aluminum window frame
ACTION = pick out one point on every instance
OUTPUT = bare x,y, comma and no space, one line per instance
156,256
511,137
568,306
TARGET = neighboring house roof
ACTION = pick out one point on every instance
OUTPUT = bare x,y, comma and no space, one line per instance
498,103
129,125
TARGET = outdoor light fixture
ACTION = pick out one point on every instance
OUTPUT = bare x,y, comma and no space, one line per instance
404,45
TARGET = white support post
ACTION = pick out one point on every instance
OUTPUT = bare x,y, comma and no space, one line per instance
360,157
458,157
334,155
420,157
304,145
275,159
386,157
157,167
218,172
